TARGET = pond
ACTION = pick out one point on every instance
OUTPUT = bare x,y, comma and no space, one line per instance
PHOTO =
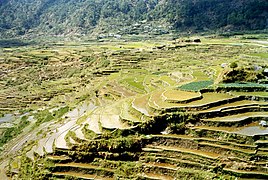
80,110
253,131
7,118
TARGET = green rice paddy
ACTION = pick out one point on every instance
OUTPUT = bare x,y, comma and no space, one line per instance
120,109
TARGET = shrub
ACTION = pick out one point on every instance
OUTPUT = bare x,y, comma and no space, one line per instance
87,59
242,74
242,86
12,132
43,116
60,112
233,65
177,121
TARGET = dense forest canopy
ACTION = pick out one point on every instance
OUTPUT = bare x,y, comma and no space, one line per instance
56,17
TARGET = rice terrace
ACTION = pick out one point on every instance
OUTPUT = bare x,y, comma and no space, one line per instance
133,91
135,110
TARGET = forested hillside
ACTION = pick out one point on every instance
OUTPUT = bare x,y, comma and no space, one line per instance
133,89
69,17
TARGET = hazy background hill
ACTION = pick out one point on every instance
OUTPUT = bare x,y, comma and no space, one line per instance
70,17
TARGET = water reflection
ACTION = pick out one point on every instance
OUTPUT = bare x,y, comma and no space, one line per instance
7,118
253,130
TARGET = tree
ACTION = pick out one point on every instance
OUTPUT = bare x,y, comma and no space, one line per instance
233,65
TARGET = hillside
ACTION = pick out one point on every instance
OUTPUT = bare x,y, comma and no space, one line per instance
103,17
133,89
151,110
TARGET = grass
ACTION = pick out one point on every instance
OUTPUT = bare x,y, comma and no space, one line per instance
261,55
140,104
12,132
177,95
243,85
200,76
46,115
136,83
260,94
168,80
65,73
211,97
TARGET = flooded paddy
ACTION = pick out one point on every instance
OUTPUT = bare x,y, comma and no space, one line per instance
253,131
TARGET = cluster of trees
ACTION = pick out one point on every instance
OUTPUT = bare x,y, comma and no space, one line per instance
82,16
212,14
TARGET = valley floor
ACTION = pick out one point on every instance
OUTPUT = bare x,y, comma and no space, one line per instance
134,110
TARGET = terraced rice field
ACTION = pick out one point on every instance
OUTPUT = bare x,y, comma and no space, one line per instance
100,111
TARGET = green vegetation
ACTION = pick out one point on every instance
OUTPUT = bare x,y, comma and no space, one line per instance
233,65
30,169
243,84
123,109
113,18
242,74
14,131
46,116
177,122
60,112
261,55
43,116
136,83
123,89
196,86
120,144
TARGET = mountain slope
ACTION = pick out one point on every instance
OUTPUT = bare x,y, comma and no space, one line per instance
101,16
